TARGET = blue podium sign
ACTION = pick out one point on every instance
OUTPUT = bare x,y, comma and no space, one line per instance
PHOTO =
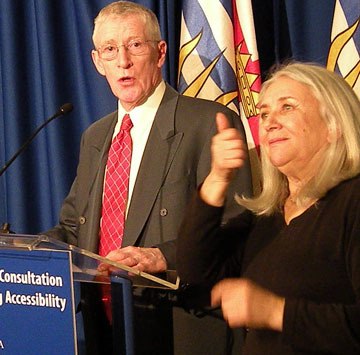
37,313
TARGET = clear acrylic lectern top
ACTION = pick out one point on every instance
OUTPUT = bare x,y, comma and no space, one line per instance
85,265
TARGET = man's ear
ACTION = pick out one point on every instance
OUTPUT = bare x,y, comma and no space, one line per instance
162,47
98,62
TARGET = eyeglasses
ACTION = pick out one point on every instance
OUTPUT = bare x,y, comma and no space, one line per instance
135,47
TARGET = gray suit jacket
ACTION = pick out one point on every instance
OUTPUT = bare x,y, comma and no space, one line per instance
175,161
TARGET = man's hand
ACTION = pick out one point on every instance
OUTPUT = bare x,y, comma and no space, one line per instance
149,260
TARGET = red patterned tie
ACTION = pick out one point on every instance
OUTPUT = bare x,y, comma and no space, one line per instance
116,189
115,199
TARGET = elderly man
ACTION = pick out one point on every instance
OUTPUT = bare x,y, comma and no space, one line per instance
139,166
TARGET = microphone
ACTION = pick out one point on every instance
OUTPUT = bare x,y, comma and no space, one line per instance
63,110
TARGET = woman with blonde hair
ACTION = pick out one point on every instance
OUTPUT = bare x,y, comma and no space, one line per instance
288,268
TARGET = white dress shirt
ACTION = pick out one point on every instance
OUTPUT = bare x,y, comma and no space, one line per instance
142,118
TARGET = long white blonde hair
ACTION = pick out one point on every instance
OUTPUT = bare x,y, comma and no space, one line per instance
340,110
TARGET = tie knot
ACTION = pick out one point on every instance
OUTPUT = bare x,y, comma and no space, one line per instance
126,124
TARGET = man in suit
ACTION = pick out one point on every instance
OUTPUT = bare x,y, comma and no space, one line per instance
171,137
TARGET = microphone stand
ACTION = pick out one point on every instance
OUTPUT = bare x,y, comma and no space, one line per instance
64,109
5,228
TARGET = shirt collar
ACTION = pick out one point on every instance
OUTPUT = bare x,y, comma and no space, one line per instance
147,109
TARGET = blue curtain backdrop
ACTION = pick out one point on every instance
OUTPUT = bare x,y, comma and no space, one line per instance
45,61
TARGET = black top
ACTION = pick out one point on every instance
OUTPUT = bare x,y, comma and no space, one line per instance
314,262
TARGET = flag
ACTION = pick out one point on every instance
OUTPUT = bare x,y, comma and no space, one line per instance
332,39
344,51
218,60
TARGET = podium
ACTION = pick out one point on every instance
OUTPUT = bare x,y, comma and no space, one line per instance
37,306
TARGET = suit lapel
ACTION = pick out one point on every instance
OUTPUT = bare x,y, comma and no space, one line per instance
97,160
159,153
99,152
